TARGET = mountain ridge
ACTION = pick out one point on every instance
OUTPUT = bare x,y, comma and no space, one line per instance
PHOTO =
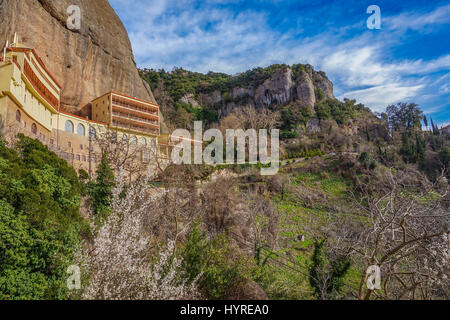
219,94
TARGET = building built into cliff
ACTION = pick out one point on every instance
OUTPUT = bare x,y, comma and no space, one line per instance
30,103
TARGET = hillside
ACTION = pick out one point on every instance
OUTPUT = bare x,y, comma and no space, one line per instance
355,189
186,95
351,181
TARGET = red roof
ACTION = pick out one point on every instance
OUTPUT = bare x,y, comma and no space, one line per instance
127,96
14,49
73,115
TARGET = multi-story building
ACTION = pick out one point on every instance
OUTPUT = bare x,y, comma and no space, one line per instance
30,103
127,113
29,95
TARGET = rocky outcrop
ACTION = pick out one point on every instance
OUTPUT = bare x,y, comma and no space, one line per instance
305,90
313,126
189,99
277,90
281,88
87,62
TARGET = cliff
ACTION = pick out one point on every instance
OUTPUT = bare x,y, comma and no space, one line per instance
271,87
282,87
87,62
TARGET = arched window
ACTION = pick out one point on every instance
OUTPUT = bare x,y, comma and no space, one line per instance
34,128
69,126
152,143
18,116
81,130
143,141
133,140
92,132
124,138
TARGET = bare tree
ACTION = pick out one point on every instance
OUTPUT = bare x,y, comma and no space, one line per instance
404,231
117,263
132,157
250,118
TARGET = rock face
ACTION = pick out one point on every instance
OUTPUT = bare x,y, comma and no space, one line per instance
189,99
88,62
282,88
278,90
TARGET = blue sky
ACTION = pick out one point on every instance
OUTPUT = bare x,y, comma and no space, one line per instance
408,59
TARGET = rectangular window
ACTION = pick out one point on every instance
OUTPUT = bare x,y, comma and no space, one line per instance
78,157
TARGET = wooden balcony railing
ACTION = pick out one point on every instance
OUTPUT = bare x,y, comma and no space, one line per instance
134,118
39,86
120,124
135,107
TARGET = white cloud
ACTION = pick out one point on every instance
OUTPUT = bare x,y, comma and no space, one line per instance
206,37
418,21
380,96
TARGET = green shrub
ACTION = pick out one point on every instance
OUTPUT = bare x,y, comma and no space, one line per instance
341,112
211,259
326,275
100,190
40,224
289,134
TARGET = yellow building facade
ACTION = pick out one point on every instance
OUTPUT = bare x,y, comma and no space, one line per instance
30,104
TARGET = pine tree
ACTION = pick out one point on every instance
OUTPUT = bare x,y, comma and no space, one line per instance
101,190
434,128
326,275
425,120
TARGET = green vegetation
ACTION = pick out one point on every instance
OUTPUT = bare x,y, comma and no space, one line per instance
404,116
308,260
291,118
367,160
413,147
200,113
210,259
445,156
40,224
180,82
304,154
326,275
341,112
100,190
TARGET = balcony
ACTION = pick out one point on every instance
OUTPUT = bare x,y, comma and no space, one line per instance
137,128
132,118
40,87
135,107
139,114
